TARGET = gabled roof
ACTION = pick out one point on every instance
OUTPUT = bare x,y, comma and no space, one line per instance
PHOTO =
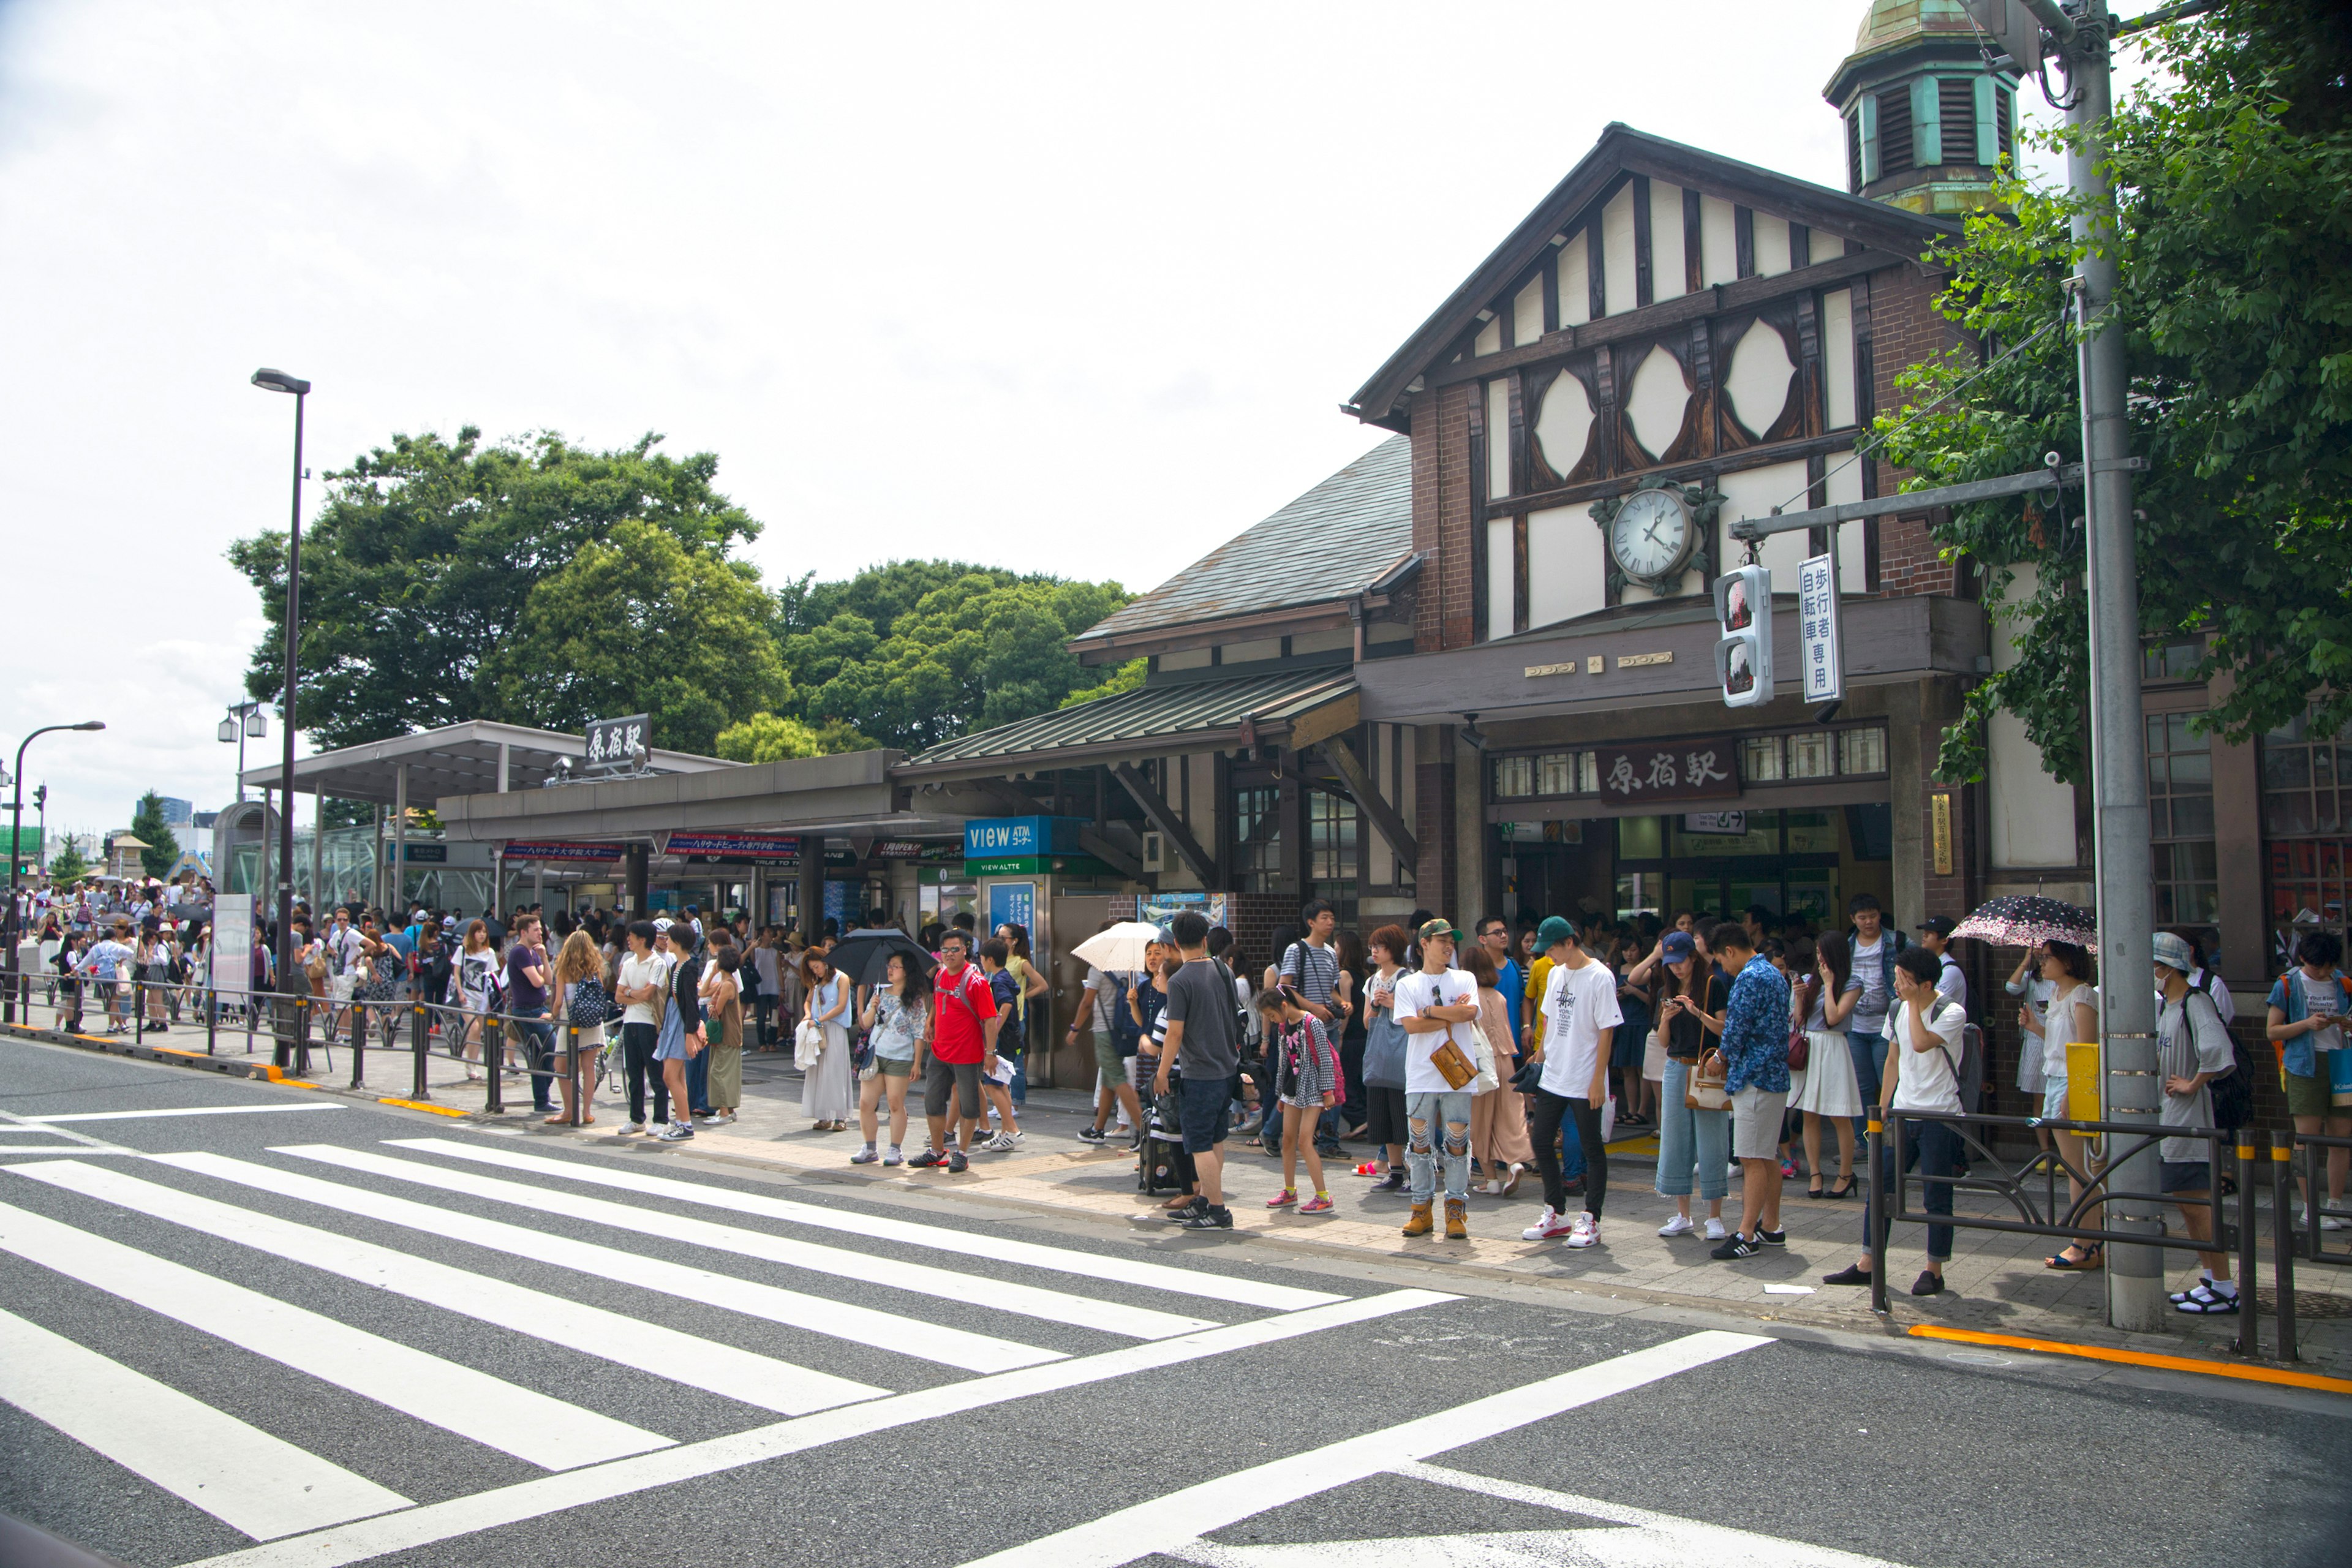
1198,715
1337,541
1623,150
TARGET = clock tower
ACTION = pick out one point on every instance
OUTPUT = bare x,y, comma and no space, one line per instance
1928,120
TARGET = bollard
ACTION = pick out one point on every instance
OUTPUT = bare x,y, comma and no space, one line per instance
211,1021
2283,1238
359,1045
138,1014
1874,1214
417,1040
572,1070
2249,1328
302,1010
493,1064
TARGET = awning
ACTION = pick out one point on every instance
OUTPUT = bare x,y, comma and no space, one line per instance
1172,715
457,760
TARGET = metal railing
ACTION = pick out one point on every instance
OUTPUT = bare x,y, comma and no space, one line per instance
292,1027
2236,1226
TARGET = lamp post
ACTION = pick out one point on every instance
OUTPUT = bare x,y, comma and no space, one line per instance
278,381
245,719
16,833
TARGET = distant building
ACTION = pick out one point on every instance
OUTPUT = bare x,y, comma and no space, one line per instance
177,812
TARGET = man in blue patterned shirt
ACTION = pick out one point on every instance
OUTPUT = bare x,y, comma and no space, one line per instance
1756,1060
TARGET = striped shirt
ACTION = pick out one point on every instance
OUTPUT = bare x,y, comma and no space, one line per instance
1315,970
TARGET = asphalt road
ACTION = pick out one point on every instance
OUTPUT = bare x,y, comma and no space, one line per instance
290,1329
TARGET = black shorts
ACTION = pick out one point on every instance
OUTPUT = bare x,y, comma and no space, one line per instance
961,1078
2183,1175
1385,1117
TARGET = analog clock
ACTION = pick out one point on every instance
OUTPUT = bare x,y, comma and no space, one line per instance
1652,535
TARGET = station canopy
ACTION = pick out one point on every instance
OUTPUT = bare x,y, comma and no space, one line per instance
460,759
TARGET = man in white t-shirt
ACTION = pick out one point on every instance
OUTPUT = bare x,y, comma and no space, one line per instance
1923,1077
638,987
1581,1018
1437,1003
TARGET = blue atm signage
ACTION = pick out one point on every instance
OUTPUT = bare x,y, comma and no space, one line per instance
1012,846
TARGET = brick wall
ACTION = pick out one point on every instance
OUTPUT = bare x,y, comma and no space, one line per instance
1442,517
1905,327
1434,821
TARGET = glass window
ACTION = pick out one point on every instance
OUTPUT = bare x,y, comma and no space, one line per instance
1862,751
2308,821
1758,833
1257,839
1759,759
1515,777
1641,838
1330,835
1548,774
1812,832
1809,755
2170,661
2308,884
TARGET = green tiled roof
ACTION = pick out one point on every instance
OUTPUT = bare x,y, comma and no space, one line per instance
1182,714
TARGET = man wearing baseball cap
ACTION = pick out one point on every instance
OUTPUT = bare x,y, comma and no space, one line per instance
1581,1018
1935,936
1436,1003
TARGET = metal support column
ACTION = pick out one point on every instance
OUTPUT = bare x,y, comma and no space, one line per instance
399,905
812,886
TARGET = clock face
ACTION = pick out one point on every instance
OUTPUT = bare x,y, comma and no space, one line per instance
1651,534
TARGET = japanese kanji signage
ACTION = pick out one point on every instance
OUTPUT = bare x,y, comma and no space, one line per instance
1821,662
1680,770
613,743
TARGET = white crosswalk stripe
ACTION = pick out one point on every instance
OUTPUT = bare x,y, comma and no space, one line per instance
246,1469
1053,1306
757,1380
239,1474
1241,1292
490,1410
863,1325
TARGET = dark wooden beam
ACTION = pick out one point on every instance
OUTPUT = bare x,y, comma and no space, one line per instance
1649,320
1755,456
1102,847
1180,837
1370,801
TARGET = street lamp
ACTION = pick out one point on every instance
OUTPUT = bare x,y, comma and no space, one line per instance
245,719
15,835
278,381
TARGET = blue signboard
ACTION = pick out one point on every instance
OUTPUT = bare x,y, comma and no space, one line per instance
1013,903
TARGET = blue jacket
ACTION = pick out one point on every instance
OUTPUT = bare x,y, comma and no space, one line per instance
1755,1030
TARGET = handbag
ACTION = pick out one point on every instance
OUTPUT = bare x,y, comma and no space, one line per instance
1654,1057
1453,1064
1706,1090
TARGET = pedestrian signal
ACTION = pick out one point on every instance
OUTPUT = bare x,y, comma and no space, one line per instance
1743,654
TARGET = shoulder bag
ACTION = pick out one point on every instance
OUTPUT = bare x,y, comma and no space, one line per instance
1704,1091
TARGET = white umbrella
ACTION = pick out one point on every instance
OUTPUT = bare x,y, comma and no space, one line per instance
1120,947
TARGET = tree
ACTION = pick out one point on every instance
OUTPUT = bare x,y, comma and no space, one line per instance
640,622
68,866
766,738
1128,677
147,823
977,651
2234,170
426,554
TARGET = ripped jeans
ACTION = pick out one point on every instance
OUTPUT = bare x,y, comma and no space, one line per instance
1430,1115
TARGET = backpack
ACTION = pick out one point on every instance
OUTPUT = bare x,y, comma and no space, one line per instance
1011,1040
2233,1091
1126,1034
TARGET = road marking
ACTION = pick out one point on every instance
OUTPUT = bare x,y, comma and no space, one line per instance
536,1499
1029,1300
1687,1540
2137,1358
249,1480
1029,1254
1180,1517
183,1111
490,1410
839,1320
667,1353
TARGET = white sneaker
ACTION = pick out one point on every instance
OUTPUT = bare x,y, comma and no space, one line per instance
1715,1231
999,1144
2329,1222
1586,1231
720,1120
1678,1226
1548,1228
632,1128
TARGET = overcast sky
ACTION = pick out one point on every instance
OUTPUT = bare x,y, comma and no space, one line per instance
1073,289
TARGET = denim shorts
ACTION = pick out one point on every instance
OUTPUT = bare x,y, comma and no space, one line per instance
1202,1107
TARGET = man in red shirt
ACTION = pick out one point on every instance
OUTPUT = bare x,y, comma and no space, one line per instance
961,1039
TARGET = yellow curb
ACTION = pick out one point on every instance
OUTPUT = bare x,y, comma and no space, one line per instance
2137,1358
419,1105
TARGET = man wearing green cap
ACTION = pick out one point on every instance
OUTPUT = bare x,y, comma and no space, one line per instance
1436,1003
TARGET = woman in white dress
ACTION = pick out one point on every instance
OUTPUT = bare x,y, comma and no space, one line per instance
1830,1092
828,1091
2073,1019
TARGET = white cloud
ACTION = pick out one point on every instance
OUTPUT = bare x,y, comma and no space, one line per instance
1073,288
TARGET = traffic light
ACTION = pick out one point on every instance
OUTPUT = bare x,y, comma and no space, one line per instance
1743,654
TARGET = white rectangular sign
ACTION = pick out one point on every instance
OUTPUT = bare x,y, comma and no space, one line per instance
1821,658
232,973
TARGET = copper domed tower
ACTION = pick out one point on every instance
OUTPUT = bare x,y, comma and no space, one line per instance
1927,121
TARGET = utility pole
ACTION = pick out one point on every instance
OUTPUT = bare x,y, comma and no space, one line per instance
2081,32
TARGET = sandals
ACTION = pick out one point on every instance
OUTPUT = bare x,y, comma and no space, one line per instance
1815,1190
2201,1299
2090,1259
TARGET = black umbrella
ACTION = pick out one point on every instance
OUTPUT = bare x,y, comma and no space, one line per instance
864,954
2024,920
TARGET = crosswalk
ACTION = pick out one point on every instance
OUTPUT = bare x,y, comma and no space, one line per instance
824,1323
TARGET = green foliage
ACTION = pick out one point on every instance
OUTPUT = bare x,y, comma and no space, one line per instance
425,557
69,865
2234,171
639,622
981,649
163,851
766,738
1128,677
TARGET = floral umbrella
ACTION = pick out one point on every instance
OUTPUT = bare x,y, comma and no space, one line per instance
2026,921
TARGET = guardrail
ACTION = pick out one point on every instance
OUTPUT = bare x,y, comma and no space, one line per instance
296,1025
2236,1227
